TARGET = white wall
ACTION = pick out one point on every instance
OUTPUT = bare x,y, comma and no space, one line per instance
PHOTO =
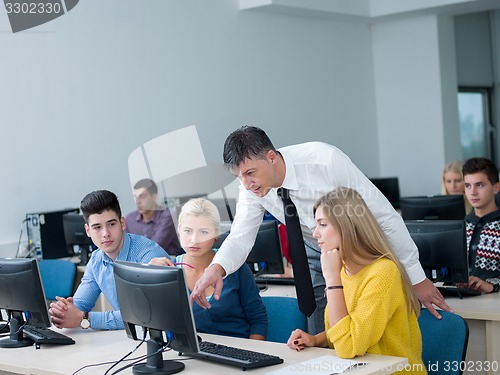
410,114
80,93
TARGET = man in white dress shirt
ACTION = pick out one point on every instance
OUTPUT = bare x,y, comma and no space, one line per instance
308,171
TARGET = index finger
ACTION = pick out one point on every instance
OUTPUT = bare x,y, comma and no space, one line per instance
441,303
200,299
432,310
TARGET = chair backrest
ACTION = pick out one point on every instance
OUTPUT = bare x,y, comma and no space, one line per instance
284,316
444,342
58,277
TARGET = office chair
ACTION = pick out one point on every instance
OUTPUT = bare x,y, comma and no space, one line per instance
284,316
444,342
58,277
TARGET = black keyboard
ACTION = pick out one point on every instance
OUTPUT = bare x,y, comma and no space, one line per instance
274,280
453,291
46,336
245,359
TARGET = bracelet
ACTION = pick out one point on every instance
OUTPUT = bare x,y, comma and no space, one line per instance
333,287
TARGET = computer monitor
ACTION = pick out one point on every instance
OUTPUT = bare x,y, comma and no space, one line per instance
266,256
157,299
46,234
433,207
76,237
23,297
442,249
389,187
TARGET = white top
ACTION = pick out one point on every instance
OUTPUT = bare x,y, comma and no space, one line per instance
312,170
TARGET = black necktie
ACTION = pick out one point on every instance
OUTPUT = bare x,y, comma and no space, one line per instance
300,265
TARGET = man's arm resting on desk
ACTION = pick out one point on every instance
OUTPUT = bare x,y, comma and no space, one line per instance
107,320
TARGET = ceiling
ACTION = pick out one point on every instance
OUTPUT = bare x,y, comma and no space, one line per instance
369,11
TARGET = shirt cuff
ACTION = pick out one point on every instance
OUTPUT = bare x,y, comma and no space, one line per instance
416,273
224,263
96,320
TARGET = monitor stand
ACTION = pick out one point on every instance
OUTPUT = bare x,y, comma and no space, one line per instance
16,339
155,363
85,252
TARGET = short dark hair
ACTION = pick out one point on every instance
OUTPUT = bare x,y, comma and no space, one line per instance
147,184
99,201
484,165
244,143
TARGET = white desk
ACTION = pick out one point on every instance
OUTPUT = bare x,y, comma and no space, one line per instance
102,346
482,314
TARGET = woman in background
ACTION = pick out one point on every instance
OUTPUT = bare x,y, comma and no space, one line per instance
371,305
240,311
453,182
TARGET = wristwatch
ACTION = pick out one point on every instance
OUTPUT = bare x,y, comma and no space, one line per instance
85,323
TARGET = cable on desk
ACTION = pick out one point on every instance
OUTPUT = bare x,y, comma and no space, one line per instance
116,362
163,349
144,334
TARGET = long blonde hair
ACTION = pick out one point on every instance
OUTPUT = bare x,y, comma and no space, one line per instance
360,234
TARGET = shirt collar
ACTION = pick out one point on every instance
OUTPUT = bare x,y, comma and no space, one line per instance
138,216
125,248
157,210
290,181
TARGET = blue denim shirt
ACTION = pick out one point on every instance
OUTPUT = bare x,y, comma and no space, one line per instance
99,277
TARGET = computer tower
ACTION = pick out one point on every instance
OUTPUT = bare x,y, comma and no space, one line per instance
46,234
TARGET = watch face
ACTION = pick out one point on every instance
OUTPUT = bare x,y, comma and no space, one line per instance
85,324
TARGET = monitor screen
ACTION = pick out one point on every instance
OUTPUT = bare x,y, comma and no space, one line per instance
434,207
389,187
157,299
442,249
76,237
266,256
23,297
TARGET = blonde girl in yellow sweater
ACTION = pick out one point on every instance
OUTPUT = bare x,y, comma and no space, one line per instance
371,304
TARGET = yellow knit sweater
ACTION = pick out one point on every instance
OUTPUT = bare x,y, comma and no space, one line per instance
379,321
